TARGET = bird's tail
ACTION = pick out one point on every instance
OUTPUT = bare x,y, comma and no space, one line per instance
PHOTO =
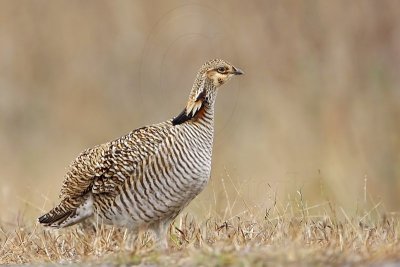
66,214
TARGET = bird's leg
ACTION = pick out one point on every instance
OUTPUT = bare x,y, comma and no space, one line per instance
131,239
160,234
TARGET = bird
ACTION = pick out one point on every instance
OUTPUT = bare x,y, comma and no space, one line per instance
145,178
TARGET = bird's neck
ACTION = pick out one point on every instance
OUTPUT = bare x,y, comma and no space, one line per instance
205,115
200,106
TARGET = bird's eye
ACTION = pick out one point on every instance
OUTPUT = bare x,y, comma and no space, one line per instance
221,69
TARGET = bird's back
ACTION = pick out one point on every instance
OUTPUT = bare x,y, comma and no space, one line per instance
98,172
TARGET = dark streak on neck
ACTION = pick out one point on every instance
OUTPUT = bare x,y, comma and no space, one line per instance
183,117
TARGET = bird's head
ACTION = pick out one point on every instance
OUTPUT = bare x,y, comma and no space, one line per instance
210,77
218,71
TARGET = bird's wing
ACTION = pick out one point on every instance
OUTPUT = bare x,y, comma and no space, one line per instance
103,168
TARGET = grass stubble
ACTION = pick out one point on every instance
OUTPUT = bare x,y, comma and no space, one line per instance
287,234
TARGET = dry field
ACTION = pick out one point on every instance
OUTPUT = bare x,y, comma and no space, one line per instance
286,234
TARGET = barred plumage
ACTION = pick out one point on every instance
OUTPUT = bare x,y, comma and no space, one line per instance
145,178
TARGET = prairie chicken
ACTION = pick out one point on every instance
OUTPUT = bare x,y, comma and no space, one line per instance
145,178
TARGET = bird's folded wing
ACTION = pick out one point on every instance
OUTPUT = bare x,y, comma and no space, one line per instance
103,168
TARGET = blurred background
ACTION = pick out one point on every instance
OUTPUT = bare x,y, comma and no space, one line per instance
317,112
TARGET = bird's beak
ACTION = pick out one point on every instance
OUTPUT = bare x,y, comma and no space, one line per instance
237,71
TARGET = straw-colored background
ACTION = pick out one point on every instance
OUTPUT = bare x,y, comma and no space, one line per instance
318,109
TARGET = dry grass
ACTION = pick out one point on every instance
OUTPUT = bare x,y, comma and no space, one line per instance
290,234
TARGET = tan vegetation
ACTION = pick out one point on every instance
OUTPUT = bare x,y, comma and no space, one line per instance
289,234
